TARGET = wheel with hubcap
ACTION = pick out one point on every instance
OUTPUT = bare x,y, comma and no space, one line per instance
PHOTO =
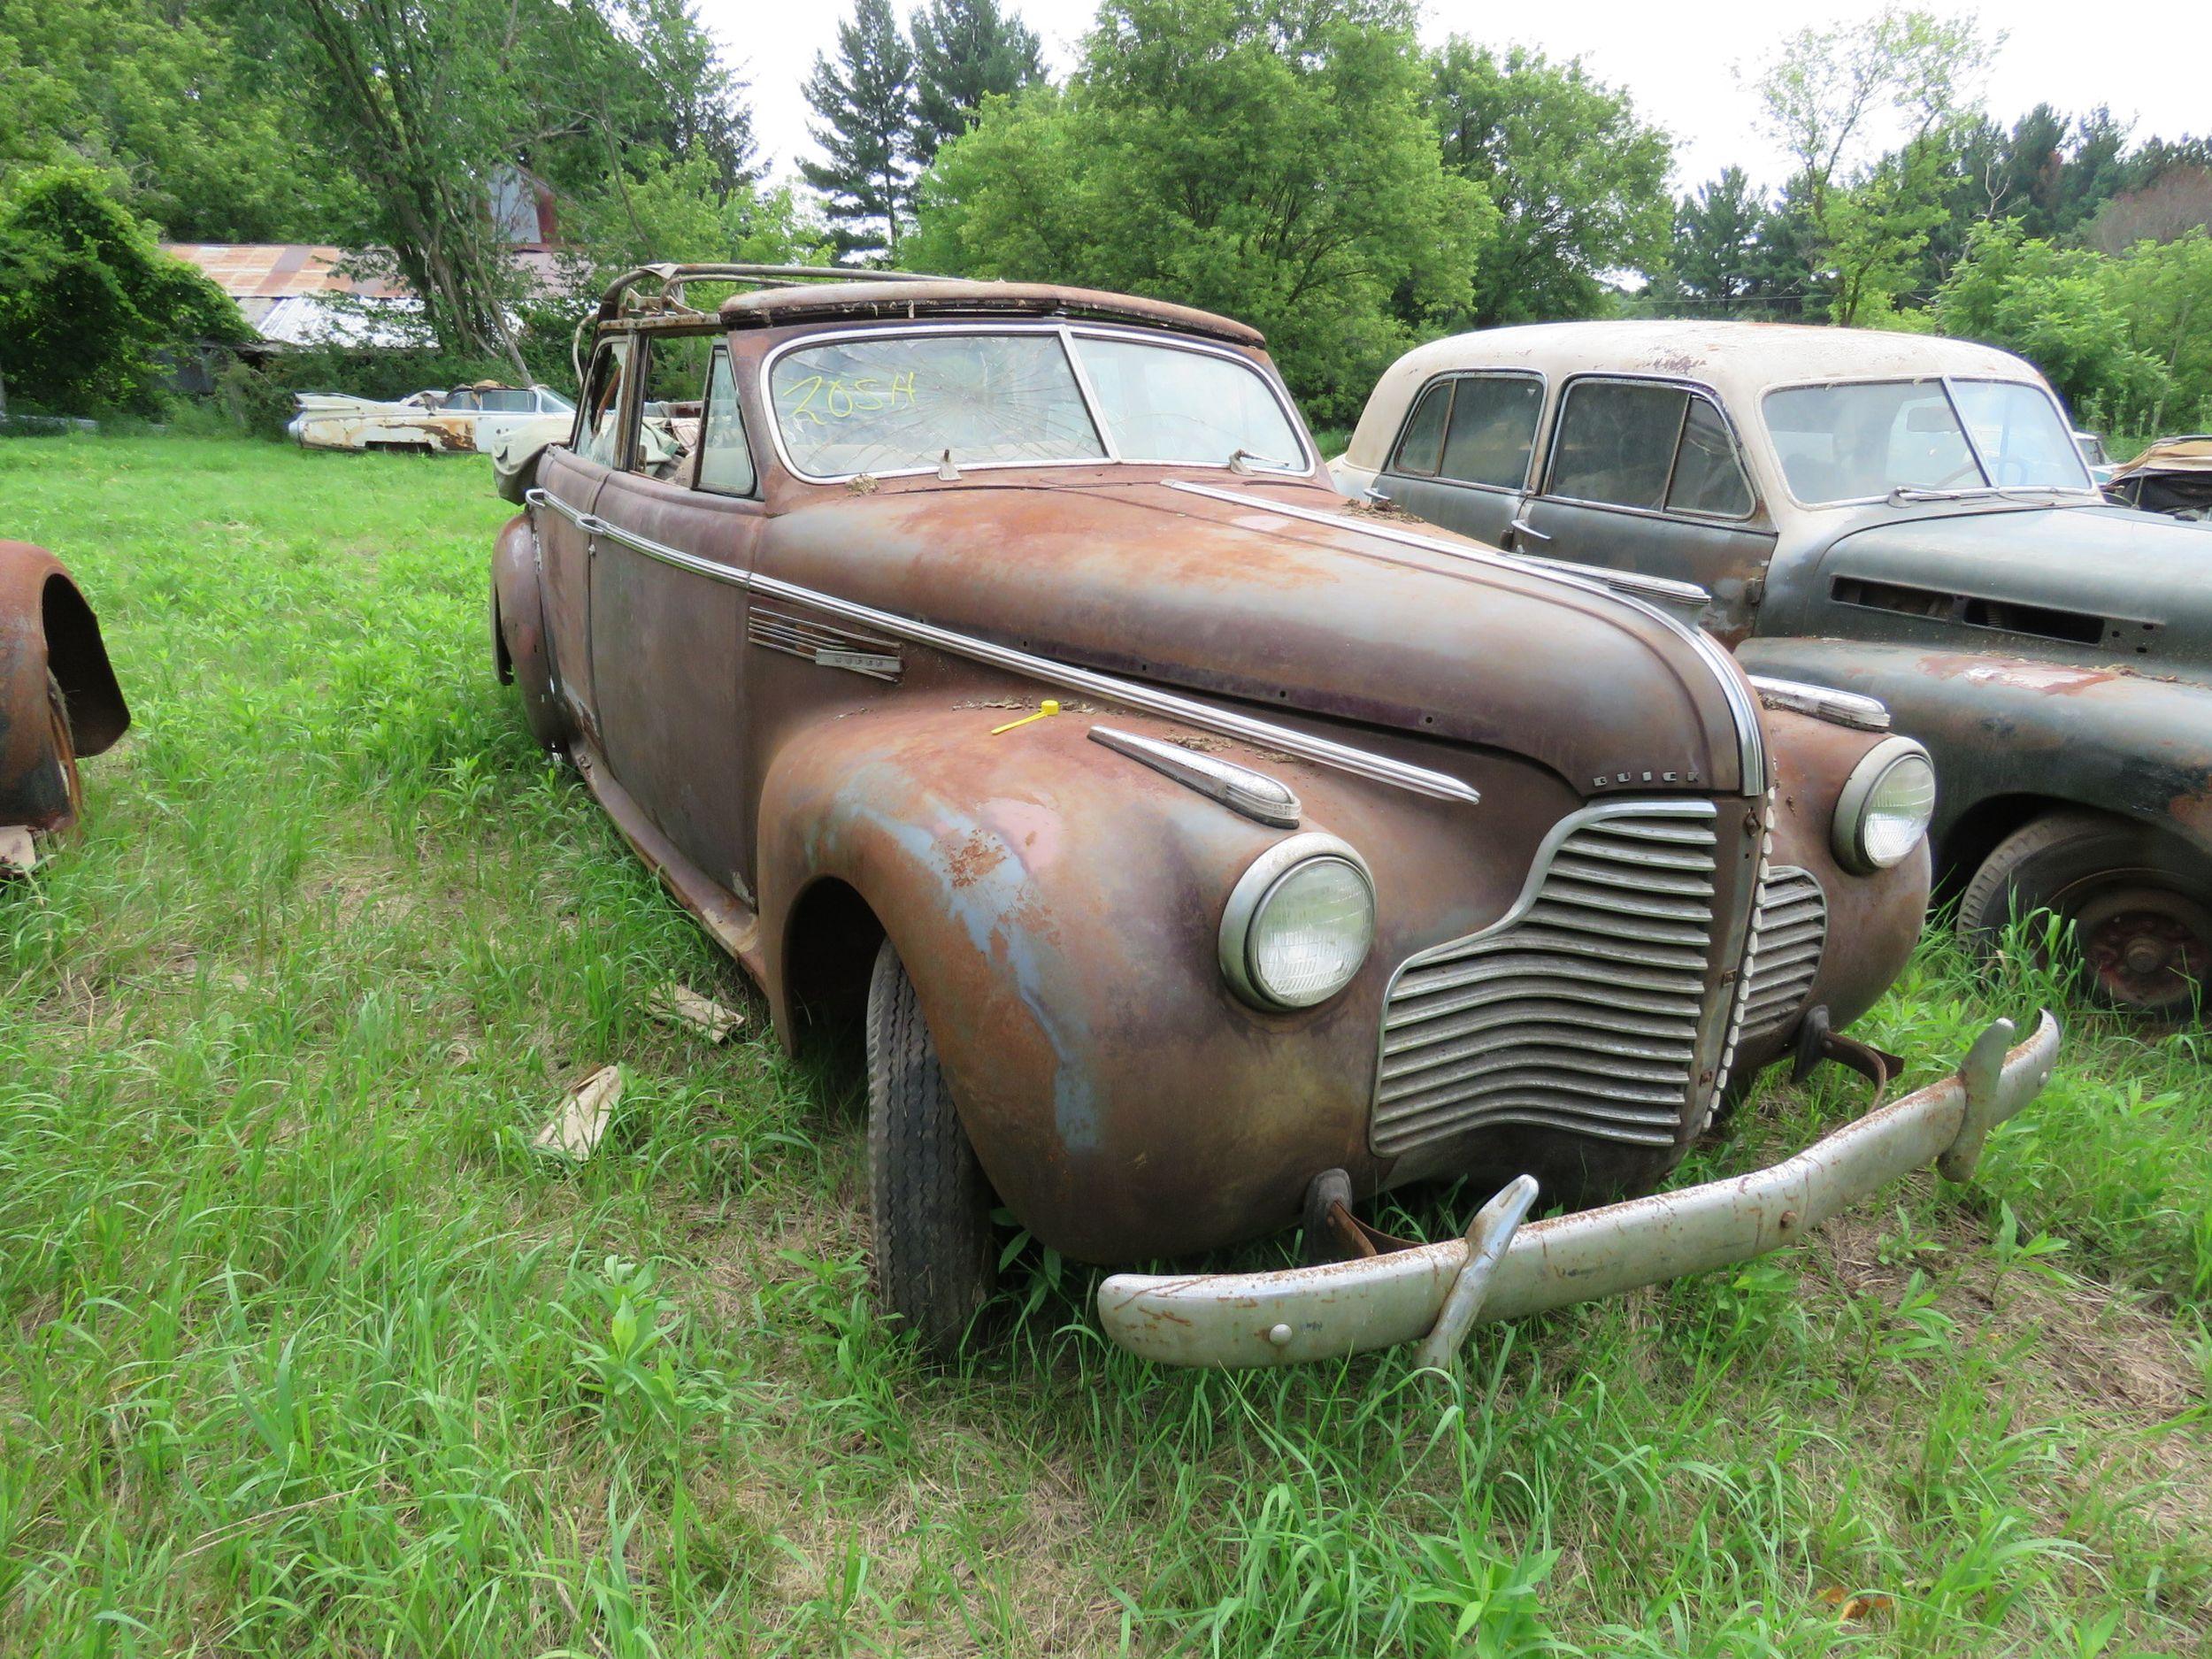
2137,902
935,1262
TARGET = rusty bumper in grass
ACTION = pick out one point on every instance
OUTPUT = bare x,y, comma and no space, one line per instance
1502,1271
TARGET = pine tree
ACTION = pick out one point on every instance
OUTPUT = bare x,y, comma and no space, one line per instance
965,50
865,99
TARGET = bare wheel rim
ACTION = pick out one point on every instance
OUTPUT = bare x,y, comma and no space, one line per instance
65,744
2143,944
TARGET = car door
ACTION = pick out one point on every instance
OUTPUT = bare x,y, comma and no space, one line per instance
668,608
569,479
503,409
1646,475
1462,458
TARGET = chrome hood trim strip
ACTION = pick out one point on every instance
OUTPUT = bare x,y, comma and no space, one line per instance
1321,750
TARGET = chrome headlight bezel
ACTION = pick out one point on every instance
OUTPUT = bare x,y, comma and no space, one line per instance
1247,902
1848,833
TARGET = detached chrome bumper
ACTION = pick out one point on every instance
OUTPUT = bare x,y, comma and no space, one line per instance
1306,1313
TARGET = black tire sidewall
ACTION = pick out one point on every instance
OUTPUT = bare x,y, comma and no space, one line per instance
933,1259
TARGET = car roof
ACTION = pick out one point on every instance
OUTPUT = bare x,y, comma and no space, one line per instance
954,297
1736,359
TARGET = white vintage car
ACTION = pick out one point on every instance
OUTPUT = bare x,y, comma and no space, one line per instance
462,420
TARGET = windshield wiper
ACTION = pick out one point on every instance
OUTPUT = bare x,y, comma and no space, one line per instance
1903,494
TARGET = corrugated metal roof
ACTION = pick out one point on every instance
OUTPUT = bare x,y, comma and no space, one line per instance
276,269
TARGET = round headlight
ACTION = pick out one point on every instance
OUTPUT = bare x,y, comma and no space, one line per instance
1298,923
1885,806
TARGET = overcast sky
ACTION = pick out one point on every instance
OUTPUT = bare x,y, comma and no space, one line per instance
1677,60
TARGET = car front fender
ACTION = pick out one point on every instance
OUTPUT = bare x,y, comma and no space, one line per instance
521,650
2096,735
1058,907
46,627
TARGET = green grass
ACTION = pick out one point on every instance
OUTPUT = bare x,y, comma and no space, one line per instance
302,1351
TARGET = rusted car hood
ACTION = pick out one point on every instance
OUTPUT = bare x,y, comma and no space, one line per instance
2097,575
1287,617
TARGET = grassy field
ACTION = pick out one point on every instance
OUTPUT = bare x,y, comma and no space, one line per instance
303,1352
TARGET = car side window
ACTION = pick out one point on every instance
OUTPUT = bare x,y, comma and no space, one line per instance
669,370
508,401
1709,477
460,401
1491,429
1616,442
1646,444
1424,441
599,436
725,460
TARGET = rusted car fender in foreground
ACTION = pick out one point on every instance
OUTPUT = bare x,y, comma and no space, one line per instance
59,701
1056,905
1254,1319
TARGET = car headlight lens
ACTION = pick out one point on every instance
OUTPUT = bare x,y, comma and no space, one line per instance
1885,806
1298,923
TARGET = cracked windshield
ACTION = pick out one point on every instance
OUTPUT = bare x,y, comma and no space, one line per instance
902,403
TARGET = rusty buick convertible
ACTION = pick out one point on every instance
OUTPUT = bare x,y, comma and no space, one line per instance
997,669
58,699
1893,514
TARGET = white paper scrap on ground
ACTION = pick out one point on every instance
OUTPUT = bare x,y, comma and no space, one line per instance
16,850
573,1133
676,1004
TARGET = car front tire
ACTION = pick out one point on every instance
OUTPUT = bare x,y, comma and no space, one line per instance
933,1264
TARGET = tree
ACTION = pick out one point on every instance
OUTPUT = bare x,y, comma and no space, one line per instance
1832,96
2060,307
1717,237
1268,158
966,52
866,103
89,305
1579,180
701,98
165,101
423,105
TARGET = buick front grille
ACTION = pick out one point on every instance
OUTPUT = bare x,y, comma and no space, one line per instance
1579,1009
1789,932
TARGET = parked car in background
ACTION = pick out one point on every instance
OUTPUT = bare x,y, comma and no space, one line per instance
2093,454
2173,476
59,700
461,421
994,665
1893,514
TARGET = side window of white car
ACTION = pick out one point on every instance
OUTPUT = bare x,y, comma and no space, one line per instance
1650,445
1424,441
1492,430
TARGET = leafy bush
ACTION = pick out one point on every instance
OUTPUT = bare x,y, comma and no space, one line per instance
89,303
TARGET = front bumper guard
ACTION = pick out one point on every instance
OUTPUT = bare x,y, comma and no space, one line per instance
1431,1293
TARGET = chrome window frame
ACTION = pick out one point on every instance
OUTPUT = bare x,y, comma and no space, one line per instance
1693,388
2089,492
1390,468
1066,332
